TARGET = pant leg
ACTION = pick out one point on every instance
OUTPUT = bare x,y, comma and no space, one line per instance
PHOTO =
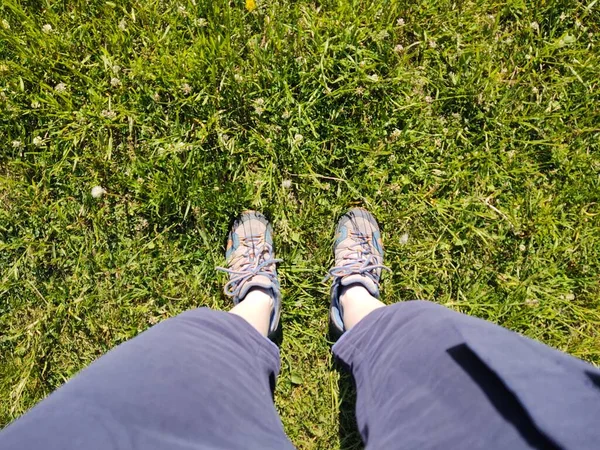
431,378
201,380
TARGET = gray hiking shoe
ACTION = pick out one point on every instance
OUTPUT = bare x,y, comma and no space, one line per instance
358,260
251,262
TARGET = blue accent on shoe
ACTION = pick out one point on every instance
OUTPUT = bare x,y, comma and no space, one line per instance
336,315
268,235
376,241
235,243
342,235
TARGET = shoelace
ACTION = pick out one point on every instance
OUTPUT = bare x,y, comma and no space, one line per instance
252,267
364,264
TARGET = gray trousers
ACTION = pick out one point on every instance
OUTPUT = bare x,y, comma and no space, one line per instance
426,378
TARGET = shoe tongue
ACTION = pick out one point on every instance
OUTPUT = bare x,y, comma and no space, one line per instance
256,281
365,281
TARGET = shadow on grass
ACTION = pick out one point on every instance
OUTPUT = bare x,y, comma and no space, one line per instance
349,436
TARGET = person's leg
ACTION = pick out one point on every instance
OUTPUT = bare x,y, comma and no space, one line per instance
202,380
358,252
428,377
252,270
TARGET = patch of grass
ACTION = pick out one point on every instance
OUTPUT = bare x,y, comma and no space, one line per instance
470,129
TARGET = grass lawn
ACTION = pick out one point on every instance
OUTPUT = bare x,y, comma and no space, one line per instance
470,129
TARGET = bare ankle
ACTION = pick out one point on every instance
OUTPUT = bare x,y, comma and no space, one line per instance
356,303
260,295
351,293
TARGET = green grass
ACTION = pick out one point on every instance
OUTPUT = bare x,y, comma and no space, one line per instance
472,131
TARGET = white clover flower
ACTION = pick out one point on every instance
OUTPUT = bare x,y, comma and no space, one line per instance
286,184
578,23
298,138
286,114
237,77
186,89
60,87
16,144
373,77
258,106
181,10
522,247
382,35
428,99
115,82
47,28
563,16
35,104
201,22
535,26
156,97
403,239
98,191
141,225
360,91
400,22
399,48
109,114
432,43
5,24
123,24
116,68
38,141
395,134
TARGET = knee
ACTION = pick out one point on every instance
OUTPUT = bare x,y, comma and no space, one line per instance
422,306
192,317
425,312
197,313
